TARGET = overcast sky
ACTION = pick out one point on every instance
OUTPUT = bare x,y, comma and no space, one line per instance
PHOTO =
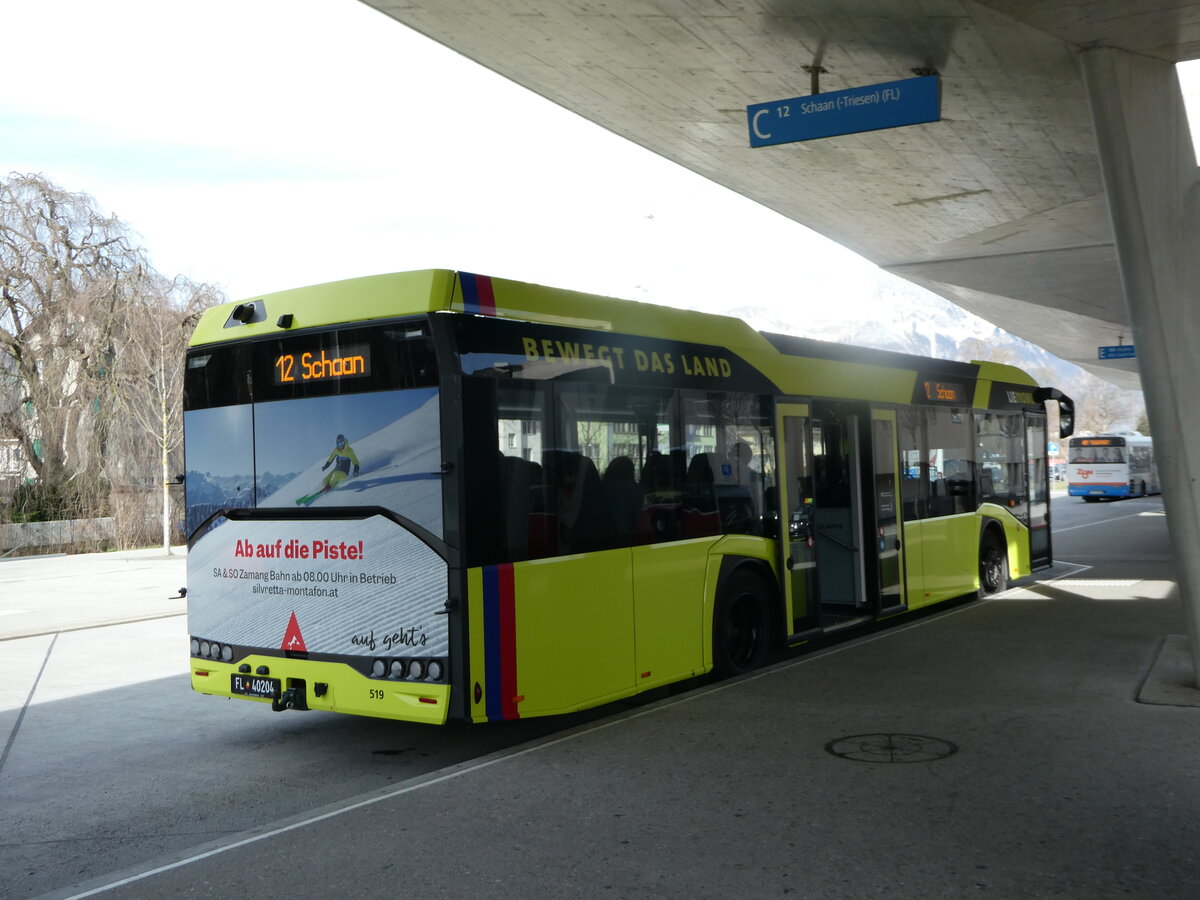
267,144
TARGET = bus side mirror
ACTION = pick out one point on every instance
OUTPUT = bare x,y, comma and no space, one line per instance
1066,409
1066,420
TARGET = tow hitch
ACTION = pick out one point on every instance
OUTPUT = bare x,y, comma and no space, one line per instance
293,698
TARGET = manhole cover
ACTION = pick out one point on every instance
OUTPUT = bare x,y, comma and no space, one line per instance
891,748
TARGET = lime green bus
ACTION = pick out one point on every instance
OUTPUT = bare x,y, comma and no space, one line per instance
437,495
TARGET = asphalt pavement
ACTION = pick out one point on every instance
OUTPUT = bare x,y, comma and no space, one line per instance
52,594
1039,744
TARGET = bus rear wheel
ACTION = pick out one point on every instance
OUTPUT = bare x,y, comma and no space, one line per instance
993,565
741,626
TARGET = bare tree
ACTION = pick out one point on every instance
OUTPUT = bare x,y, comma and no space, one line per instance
974,348
92,344
64,269
147,373
1104,407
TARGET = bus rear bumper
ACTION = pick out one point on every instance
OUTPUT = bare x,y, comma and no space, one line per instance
1098,490
307,684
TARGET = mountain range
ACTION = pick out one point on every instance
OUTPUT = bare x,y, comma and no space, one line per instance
908,319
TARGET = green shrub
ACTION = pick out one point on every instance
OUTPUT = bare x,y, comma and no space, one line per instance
35,501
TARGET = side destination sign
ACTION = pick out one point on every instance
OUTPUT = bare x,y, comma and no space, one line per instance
910,101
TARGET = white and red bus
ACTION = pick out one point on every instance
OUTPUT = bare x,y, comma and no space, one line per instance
1111,465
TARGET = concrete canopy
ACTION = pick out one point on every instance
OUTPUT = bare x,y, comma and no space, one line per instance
1000,206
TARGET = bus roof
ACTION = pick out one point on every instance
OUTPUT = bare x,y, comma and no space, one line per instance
834,369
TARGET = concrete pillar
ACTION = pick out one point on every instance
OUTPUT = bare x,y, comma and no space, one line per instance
1150,175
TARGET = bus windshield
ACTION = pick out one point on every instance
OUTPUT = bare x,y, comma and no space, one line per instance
1091,455
303,422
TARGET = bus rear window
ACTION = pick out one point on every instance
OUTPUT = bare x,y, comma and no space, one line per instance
216,376
1092,455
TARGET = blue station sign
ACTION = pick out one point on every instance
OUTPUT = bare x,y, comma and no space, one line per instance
1119,351
910,101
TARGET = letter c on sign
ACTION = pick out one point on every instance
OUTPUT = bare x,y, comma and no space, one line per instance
758,133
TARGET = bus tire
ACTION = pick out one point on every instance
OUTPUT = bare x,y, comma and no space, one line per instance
993,565
741,625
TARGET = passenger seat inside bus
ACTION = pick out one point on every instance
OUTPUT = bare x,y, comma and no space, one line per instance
584,521
624,496
699,514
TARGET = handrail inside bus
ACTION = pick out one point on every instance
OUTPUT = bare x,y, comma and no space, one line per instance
834,540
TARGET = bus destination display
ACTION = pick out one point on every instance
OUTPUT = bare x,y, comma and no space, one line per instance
944,392
323,365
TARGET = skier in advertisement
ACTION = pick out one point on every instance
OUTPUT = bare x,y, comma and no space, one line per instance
345,463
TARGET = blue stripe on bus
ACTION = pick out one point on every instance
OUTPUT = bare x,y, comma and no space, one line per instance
1099,490
500,643
477,294
491,641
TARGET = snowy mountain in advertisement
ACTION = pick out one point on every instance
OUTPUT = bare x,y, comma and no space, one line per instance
399,464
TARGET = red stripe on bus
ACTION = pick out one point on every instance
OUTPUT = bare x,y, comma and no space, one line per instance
507,609
487,298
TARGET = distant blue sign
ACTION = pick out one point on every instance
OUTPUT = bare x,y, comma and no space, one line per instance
1121,351
910,101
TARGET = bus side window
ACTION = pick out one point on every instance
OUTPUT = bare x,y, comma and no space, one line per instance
951,475
515,506
624,496
913,492
579,505
506,511
741,493
700,515
659,519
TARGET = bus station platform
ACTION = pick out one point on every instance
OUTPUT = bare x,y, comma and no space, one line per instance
51,594
1042,743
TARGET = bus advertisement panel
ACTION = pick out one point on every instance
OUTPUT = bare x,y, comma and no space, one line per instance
323,586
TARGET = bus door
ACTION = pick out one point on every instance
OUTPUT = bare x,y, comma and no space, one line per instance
1040,555
890,561
821,487
837,440
796,541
